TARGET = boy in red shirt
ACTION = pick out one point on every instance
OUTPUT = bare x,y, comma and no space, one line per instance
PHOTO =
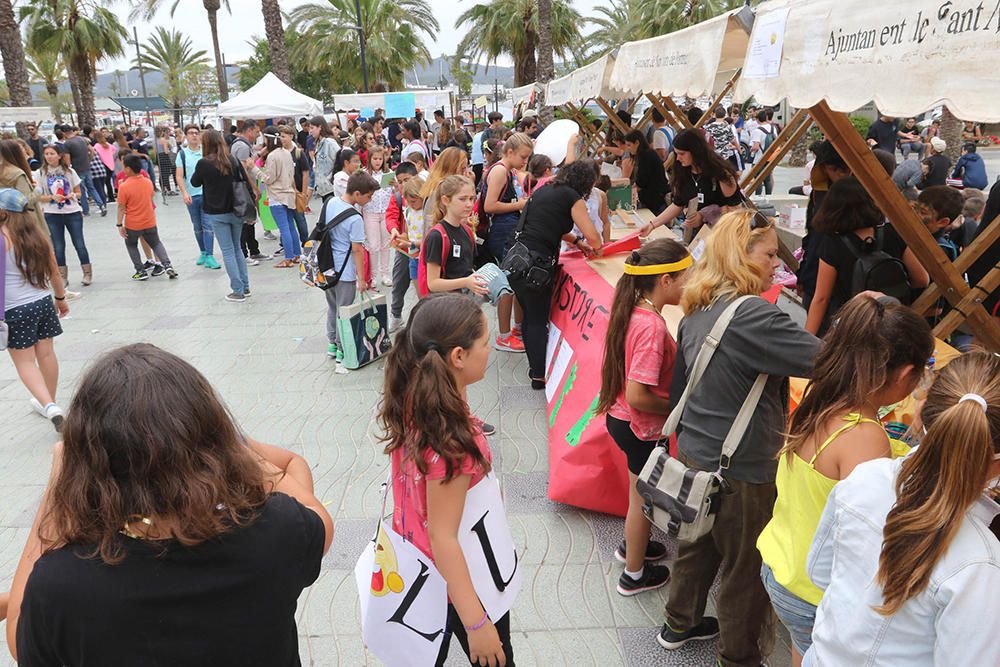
136,218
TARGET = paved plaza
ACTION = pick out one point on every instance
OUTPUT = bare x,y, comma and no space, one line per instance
267,359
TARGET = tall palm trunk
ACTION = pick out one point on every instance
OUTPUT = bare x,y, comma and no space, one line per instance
951,132
74,87
85,111
545,65
276,40
15,67
212,7
525,70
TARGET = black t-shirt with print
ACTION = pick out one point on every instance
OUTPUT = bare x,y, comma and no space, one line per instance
226,602
461,256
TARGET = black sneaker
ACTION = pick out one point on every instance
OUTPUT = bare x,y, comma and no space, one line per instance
259,256
148,265
653,577
171,272
158,270
672,639
654,551
140,275
247,293
280,252
237,298
488,429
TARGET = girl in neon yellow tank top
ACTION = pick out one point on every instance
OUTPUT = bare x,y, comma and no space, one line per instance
874,355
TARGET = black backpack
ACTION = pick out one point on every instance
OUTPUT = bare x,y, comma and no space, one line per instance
877,270
316,263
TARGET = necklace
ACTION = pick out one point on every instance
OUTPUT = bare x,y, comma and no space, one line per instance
127,530
649,302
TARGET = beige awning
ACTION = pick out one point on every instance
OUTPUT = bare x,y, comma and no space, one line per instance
908,57
523,94
584,84
694,61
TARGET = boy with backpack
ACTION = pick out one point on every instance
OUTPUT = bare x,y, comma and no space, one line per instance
395,224
761,139
346,241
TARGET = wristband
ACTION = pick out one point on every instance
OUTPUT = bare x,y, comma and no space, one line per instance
119,225
58,298
470,628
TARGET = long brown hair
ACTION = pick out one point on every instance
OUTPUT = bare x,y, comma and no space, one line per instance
629,291
213,149
449,187
941,479
146,435
31,247
451,162
421,405
861,352
12,153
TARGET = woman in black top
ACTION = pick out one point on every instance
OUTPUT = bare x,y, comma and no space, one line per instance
698,173
166,536
848,216
548,220
214,173
647,172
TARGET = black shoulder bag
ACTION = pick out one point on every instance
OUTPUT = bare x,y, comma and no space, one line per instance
523,263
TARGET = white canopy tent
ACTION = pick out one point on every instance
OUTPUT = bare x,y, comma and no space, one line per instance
269,98
425,99
587,83
695,61
524,95
907,57
24,114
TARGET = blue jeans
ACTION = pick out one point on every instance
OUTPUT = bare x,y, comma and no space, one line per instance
797,615
203,233
58,224
301,226
227,231
501,235
87,187
289,233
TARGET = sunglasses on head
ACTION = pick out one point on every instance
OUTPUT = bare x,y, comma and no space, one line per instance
759,221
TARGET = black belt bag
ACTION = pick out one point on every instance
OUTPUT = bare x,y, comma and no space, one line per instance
523,263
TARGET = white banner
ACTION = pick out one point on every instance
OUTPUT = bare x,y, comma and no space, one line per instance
686,62
584,84
404,599
426,101
907,57
524,95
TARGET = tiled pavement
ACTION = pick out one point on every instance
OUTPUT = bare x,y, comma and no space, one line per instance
266,358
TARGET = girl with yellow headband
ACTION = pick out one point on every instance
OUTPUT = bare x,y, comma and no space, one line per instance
635,380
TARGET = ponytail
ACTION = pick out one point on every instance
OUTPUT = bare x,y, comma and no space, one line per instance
629,290
421,405
942,478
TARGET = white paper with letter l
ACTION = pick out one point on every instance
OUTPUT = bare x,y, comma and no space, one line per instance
488,546
404,601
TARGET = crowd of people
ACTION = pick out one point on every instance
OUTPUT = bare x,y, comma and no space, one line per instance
869,548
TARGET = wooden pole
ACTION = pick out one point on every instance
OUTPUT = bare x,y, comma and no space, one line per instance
718,98
612,115
969,305
867,169
798,126
681,117
962,263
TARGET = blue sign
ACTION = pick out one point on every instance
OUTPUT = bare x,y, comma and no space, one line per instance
400,105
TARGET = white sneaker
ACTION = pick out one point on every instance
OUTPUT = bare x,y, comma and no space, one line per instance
37,406
395,323
253,262
55,415
341,369
387,282
70,295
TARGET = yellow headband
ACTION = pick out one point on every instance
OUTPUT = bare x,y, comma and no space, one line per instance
657,269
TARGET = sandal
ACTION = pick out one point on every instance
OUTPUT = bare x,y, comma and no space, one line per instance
285,264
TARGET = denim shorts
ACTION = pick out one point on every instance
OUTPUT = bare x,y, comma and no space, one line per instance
797,615
32,322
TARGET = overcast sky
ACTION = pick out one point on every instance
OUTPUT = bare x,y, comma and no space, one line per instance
236,29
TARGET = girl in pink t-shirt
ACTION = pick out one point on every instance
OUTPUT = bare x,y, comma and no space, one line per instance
635,381
439,452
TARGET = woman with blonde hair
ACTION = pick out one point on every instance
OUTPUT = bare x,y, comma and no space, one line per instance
739,260
904,550
451,162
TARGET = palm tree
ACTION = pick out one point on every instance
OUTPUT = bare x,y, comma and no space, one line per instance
621,22
396,33
14,67
510,28
276,40
172,54
659,17
545,66
48,69
83,34
146,9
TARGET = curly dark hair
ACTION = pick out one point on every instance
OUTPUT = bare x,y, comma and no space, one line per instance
578,175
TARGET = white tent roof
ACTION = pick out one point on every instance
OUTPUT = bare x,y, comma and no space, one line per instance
851,52
694,61
581,85
268,98
425,99
524,94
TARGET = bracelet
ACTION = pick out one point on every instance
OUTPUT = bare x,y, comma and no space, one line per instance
119,225
470,628
58,298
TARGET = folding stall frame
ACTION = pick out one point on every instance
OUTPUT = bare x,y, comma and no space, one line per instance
827,48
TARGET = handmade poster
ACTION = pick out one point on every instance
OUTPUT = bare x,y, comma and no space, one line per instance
763,59
404,601
484,535
400,105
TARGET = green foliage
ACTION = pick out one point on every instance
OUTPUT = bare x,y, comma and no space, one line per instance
172,54
861,124
462,74
396,32
317,82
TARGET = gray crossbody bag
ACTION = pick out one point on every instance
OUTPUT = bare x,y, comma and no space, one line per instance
683,501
